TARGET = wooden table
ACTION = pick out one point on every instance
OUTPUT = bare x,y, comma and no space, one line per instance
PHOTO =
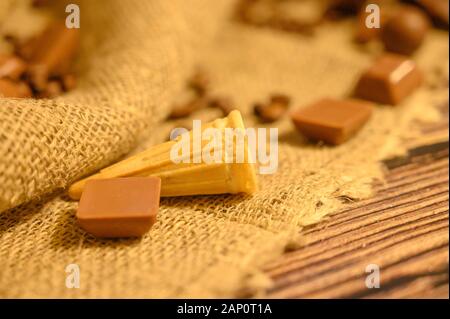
404,230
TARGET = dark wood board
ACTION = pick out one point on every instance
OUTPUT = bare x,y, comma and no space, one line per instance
404,229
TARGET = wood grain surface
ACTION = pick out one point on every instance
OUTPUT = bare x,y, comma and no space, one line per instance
404,230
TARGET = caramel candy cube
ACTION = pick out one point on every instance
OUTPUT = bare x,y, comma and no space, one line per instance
389,80
332,121
119,207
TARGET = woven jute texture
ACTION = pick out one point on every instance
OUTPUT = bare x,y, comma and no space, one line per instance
135,58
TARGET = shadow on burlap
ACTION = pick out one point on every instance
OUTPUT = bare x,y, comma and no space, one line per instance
135,58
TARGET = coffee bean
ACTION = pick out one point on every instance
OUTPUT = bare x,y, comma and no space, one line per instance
188,103
274,110
199,82
69,82
53,89
225,104
37,75
280,98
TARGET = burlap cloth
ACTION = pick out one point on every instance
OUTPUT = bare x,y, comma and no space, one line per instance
135,58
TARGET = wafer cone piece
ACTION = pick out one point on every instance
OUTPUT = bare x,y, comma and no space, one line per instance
196,177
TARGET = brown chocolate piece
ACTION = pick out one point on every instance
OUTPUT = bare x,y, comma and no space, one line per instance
332,121
11,67
405,30
119,207
389,80
274,110
10,88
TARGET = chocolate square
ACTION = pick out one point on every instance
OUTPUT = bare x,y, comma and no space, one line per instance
389,80
119,207
332,121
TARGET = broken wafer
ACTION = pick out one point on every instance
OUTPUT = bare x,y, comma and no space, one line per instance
188,178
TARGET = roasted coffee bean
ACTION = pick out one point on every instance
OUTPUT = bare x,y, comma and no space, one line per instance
37,75
405,30
11,66
269,113
199,82
258,109
53,89
274,110
188,103
225,104
69,82
280,98
10,88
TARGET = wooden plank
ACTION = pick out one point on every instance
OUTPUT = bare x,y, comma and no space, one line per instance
403,229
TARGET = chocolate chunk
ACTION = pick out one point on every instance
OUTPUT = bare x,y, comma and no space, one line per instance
332,121
389,80
119,207
10,88
11,67
405,30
